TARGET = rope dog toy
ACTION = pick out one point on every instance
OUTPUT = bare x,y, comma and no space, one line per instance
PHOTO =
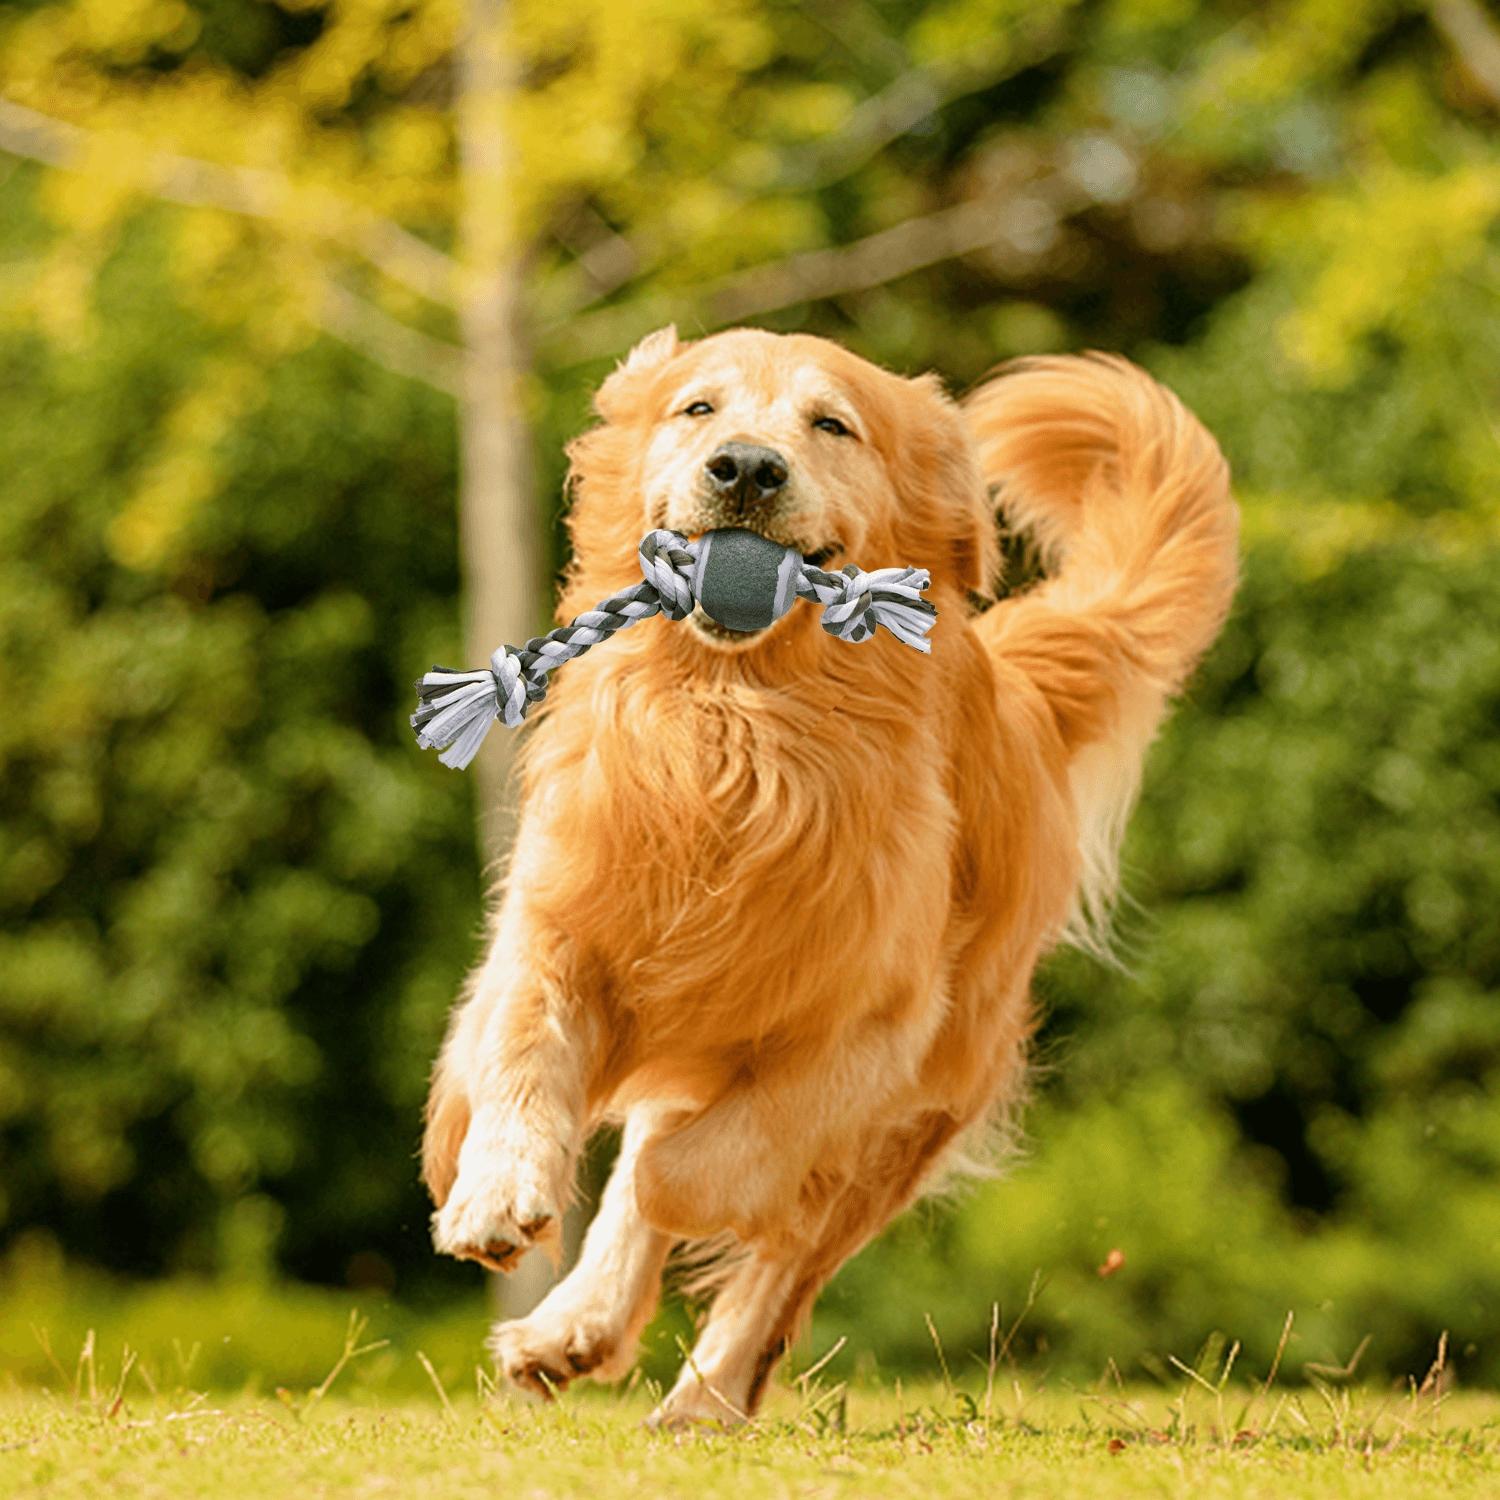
738,578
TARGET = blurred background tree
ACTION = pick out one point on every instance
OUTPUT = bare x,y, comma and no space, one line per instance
300,301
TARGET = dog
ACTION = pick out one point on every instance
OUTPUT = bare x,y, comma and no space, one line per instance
775,902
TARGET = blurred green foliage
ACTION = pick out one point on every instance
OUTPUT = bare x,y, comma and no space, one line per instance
235,901
235,905
223,1333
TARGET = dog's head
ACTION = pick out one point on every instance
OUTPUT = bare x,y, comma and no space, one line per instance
789,436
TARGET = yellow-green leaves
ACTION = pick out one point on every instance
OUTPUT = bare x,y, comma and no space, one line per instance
1383,252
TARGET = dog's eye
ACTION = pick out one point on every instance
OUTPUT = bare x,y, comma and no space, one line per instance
698,409
833,425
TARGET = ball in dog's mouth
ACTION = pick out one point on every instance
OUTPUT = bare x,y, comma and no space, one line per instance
731,610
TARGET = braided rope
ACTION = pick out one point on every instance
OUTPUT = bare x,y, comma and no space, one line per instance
455,709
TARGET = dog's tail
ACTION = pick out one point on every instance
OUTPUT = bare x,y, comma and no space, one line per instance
1125,498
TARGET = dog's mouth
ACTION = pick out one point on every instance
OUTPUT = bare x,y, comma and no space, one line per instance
706,625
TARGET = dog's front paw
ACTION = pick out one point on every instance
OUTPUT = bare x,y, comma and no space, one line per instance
553,1346
504,1202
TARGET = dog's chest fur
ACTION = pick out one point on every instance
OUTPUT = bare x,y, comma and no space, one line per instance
742,865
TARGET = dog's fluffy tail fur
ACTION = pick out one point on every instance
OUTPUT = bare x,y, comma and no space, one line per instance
1125,497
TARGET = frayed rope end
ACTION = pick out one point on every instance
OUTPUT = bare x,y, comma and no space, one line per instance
455,709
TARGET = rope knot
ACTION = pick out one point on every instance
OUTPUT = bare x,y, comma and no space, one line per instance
510,685
855,603
668,562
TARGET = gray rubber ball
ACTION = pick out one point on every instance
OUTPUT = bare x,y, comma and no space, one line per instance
744,581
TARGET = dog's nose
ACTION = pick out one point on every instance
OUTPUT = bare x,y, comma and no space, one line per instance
743,473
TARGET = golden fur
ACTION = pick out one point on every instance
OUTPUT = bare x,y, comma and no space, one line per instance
776,901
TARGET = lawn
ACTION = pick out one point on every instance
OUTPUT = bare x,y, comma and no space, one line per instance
114,1428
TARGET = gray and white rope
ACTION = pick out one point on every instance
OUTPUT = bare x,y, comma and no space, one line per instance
455,709
854,603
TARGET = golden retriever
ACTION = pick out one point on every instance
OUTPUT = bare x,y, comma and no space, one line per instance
776,900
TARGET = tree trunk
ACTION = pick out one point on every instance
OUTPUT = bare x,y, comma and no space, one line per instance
506,597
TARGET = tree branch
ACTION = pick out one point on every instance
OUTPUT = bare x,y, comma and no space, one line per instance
252,192
407,351
914,96
858,266
809,277
901,106
917,93
601,255
1474,37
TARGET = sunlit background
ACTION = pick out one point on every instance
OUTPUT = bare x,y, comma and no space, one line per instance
299,302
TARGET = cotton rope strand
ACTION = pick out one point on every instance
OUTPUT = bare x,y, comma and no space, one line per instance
455,709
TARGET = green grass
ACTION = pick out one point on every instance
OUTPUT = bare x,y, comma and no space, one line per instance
106,1427
245,1336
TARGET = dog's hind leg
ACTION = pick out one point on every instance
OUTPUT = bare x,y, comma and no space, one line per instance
590,1322
762,1307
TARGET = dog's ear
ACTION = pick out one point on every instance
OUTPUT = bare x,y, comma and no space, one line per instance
945,491
612,400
